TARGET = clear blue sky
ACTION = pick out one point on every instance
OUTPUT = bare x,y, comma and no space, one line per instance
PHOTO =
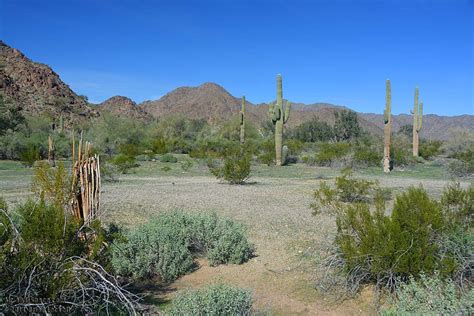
328,51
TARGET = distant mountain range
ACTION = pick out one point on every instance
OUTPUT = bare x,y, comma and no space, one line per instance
39,90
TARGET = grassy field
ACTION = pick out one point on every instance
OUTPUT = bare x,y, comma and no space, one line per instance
275,208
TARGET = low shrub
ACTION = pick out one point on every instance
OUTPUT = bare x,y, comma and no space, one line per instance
218,299
166,246
235,168
168,158
46,253
329,152
30,155
124,163
430,295
186,164
430,149
54,184
459,169
366,157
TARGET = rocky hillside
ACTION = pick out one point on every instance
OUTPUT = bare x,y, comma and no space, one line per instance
434,126
37,89
213,103
123,107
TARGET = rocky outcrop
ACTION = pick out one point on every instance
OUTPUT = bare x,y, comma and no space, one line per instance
123,107
37,89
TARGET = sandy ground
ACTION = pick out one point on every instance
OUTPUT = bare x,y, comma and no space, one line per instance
276,211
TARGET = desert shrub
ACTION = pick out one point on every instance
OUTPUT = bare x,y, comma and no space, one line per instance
168,158
166,246
30,155
52,183
459,168
215,300
309,159
346,126
387,249
313,131
124,163
430,149
44,256
401,151
158,146
458,204
186,164
329,152
235,167
430,295
267,152
366,156
108,171
350,189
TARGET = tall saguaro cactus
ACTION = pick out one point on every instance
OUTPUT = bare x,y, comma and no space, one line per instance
279,116
417,122
242,121
387,116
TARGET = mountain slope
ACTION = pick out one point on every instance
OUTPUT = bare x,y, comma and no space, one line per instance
123,107
37,89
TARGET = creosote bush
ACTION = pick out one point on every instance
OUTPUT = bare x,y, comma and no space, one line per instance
215,300
167,245
418,235
235,167
124,163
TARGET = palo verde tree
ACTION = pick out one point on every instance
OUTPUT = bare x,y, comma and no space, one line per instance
279,115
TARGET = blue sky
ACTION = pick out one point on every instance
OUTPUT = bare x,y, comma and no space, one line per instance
338,51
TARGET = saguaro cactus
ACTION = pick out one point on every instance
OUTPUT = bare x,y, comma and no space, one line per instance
242,121
279,116
387,116
417,122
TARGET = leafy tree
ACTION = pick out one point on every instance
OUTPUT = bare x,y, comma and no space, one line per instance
313,131
10,116
346,126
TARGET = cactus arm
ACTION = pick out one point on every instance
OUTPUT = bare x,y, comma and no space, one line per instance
274,112
242,111
287,112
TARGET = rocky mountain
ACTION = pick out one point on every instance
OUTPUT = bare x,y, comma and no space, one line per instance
37,89
434,126
123,107
213,103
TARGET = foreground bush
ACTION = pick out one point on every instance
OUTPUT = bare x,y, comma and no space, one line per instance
214,300
168,244
431,296
235,168
45,253
418,235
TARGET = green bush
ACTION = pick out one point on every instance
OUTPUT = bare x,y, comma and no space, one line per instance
47,253
430,149
168,158
30,155
124,163
312,131
158,146
214,300
235,168
367,157
186,164
329,152
388,248
430,295
166,246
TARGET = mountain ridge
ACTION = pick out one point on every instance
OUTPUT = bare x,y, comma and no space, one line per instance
38,90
